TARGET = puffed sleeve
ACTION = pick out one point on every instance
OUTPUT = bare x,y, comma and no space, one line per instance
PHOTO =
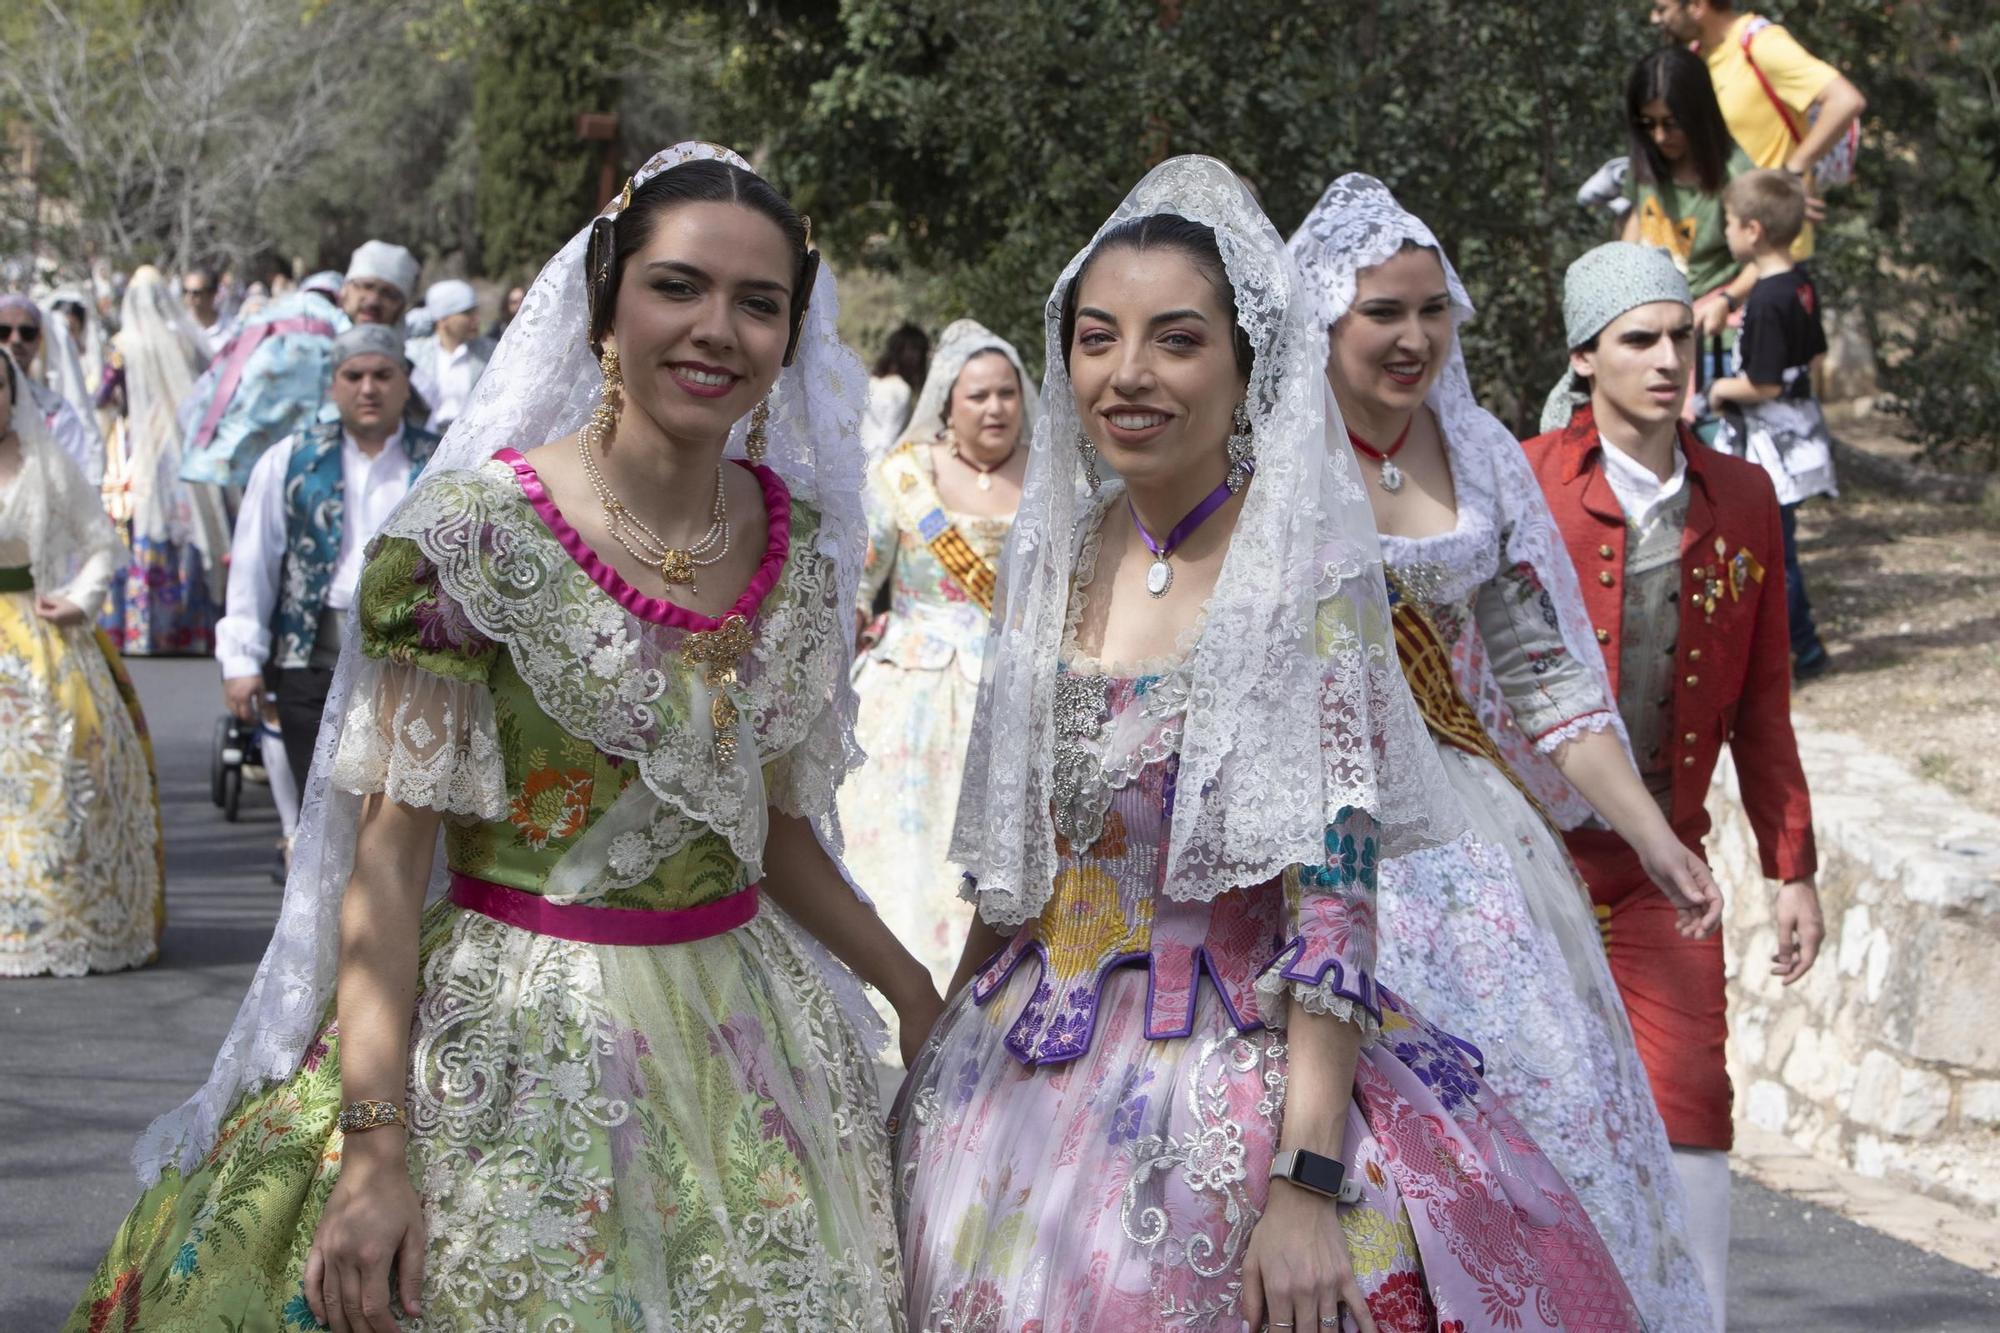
807,621
419,725
882,537
1328,965
1552,695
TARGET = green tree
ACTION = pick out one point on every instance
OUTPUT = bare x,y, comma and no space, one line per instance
538,66
982,141
1913,245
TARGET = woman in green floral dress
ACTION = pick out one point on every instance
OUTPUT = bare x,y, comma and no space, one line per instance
612,1080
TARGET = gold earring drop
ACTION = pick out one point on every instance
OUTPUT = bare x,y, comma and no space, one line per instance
603,421
758,440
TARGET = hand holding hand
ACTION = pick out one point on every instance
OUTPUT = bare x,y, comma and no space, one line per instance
60,611
1296,1271
1800,929
1684,877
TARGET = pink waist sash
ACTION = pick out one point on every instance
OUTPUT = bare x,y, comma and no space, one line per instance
603,925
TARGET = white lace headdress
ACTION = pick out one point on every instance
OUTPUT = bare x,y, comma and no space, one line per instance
1296,707
1357,225
73,550
541,385
962,340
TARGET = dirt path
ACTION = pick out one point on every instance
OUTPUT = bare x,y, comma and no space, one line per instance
1907,596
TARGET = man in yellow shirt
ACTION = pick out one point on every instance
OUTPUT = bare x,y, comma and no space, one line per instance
1818,101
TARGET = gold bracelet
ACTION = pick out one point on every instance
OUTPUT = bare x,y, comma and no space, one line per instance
359,1116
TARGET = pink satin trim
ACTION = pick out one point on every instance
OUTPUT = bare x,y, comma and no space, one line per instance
603,925
778,521
240,351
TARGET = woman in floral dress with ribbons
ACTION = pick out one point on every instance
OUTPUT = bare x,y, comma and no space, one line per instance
1168,1091
613,1081
1491,935
939,506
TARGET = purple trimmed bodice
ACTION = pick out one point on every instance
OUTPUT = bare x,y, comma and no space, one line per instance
1106,910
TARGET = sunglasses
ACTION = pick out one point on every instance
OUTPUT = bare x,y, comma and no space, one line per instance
27,333
194,291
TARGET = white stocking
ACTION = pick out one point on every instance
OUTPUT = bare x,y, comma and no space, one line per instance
1704,1174
284,785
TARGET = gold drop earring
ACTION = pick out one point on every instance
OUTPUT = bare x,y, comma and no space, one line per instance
758,440
603,421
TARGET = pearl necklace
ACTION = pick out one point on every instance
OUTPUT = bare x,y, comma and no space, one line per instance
677,564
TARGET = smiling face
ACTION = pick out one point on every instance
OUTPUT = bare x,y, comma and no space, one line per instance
703,315
1640,366
1152,364
985,411
1387,349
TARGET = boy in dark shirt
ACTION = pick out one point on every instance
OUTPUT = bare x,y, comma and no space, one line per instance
1770,414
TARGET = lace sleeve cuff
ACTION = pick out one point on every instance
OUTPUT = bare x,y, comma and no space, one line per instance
1307,971
421,740
1553,739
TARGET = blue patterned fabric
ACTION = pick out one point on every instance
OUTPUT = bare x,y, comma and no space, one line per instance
280,382
315,508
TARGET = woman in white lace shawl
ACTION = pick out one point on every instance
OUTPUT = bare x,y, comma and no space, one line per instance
169,598
1492,935
81,877
1168,1062
612,1080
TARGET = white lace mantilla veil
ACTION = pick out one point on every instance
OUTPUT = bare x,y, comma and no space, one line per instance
72,548
541,385
164,355
962,340
65,369
1296,707
1356,225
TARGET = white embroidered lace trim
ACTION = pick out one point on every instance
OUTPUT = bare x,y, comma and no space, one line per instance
1273,988
422,740
617,681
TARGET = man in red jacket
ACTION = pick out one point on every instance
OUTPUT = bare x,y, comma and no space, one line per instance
1681,559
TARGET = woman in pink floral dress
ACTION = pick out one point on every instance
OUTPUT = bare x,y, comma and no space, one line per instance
1168,1091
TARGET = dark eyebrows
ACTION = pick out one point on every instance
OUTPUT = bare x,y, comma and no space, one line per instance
690,271
1164,317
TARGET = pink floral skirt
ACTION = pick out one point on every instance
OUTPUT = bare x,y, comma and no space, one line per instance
1118,1192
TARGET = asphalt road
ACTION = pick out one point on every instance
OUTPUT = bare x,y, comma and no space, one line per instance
85,1063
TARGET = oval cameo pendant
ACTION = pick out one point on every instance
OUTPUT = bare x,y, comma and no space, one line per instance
1159,577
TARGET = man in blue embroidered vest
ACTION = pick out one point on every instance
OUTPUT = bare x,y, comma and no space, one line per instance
313,502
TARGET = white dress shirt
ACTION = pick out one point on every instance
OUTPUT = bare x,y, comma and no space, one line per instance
371,488
1639,491
455,378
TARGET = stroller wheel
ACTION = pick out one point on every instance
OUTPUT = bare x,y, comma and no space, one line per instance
232,797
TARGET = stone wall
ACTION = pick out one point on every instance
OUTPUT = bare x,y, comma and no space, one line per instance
1886,1057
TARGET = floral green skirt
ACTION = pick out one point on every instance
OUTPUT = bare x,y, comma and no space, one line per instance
604,1139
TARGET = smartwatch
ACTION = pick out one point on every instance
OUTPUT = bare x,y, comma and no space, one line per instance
1310,1171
